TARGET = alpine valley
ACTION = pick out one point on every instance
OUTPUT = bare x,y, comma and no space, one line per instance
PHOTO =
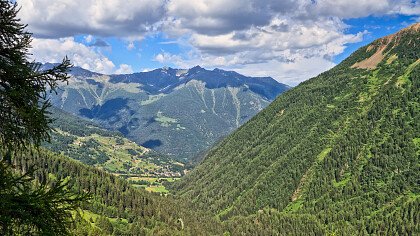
191,152
336,155
179,113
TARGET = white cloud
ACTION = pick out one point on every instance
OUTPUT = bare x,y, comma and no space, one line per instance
124,69
63,18
165,57
291,73
160,58
54,50
259,45
362,8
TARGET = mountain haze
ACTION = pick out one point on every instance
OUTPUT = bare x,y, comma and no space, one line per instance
177,112
338,154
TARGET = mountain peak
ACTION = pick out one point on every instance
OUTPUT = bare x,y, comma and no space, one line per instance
195,69
413,27
386,49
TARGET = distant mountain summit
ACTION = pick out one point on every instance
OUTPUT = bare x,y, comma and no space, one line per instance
179,112
336,155
165,80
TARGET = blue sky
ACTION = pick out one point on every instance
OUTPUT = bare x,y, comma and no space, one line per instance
288,40
142,56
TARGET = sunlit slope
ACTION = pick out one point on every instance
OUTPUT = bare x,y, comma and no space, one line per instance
343,147
87,142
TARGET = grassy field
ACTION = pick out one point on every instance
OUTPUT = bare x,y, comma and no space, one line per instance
151,184
164,120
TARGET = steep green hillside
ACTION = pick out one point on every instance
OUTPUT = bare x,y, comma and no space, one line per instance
340,150
179,113
116,207
87,142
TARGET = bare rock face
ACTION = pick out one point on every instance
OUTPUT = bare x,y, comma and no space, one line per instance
381,47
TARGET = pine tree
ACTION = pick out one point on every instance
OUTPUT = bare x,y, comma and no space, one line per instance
27,207
23,87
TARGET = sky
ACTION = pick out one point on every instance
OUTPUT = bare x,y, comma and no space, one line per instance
289,40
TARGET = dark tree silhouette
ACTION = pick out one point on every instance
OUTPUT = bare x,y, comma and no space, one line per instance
27,206
23,87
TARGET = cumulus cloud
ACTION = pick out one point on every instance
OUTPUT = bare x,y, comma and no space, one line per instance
135,18
63,18
361,8
267,44
215,17
124,69
54,50
269,38
165,58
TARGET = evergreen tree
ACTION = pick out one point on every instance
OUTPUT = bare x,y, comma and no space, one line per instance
27,207
23,87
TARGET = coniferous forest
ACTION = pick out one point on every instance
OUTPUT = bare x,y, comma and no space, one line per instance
340,150
336,155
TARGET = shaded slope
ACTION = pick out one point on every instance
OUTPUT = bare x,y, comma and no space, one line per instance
343,147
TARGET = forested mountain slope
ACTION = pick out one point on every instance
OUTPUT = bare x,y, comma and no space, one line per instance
177,112
116,207
339,151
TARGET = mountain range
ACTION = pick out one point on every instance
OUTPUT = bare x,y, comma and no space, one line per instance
177,112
